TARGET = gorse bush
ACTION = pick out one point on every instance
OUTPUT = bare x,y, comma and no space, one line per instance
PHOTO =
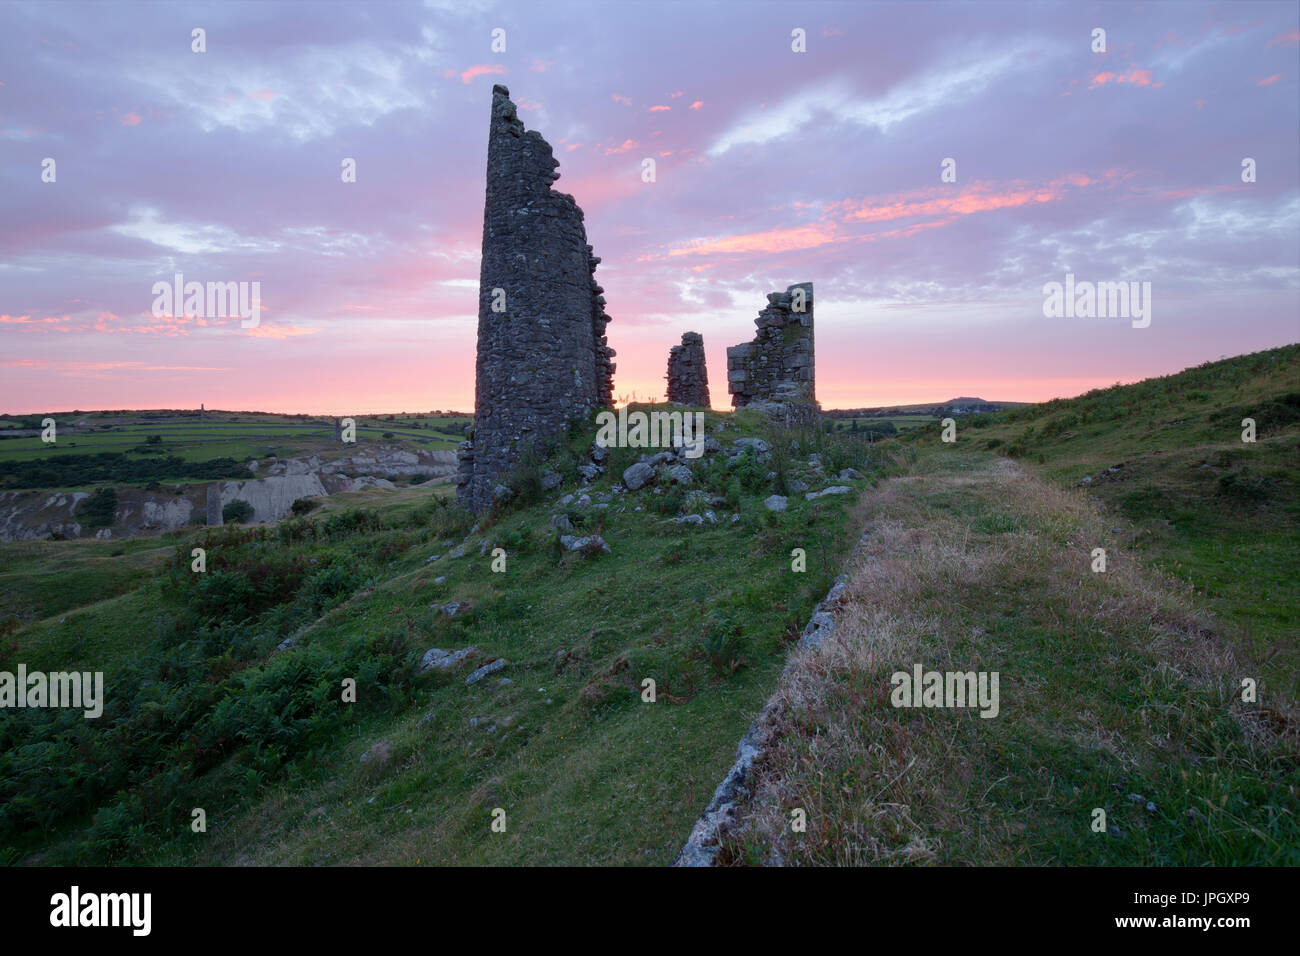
722,643
237,511
671,502
781,465
97,510
525,481
749,472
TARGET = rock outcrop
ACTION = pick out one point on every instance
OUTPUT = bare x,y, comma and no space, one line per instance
543,358
776,371
688,378
34,515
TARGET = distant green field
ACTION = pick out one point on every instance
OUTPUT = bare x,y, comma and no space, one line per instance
199,440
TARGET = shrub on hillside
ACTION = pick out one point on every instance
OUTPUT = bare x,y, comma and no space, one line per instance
97,510
1244,485
237,512
722,643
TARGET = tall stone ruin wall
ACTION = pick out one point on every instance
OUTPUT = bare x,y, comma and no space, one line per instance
544,360
777,369
688,377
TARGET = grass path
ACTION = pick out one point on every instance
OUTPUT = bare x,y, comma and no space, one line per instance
1115,693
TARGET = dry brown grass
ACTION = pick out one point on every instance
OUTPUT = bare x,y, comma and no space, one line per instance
932,584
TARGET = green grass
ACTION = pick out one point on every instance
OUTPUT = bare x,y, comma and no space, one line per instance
39,579
1198,502
1111,684
586,771
226,436
1114,683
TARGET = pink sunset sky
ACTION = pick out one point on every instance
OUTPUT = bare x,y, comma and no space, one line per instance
772,167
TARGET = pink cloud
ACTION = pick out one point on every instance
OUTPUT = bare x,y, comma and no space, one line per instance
541,66
697,104
1289,38
627,144
279,331
620,99
773,240
660,109
1269,80
599,189
131,119
1134,76
481,69
939,210
264,95
977,198
68,368
672,96
28,320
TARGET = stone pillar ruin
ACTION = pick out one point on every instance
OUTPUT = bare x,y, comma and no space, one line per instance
776,371
688,378
543,358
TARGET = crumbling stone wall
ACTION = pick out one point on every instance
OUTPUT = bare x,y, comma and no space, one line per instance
543,358
688,378
777,368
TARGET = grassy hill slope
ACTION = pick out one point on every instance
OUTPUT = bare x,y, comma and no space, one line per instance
1120,690
205,710
1166,457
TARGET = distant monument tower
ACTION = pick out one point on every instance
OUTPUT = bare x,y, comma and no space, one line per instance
543,359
